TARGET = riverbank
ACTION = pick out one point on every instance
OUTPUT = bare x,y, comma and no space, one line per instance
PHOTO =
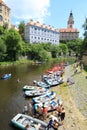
75,119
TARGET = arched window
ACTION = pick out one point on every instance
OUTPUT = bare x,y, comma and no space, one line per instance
1,18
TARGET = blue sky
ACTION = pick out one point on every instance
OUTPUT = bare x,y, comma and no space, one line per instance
50,12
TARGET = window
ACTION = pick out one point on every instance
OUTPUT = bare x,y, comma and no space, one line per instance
1,18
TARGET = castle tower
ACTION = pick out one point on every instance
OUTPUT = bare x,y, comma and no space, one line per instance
4,14
70,22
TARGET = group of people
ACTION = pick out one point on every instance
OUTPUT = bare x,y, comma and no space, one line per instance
56,121
41,111
77,66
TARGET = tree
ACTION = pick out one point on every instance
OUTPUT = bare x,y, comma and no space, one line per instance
85,28
63,47
2,31
2,50
21,28
75,46
13,40
84,43
55,50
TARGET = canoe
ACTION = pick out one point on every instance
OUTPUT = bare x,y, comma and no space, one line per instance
42,84
5,76
47,97
51,105
37,92
52,82
22,121
27,87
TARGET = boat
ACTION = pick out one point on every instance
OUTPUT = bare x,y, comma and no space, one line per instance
42,84
27,87
51,105
36,92
52,82
47,97
5,76
22,121
53,79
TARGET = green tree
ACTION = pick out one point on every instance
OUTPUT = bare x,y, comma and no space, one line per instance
55,50
84,45
21,29
2,30
85,28
2,50
13,41
64,49
75,46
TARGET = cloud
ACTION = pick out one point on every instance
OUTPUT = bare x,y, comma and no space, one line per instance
29,9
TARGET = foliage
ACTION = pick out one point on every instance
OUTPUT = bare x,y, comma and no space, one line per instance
84,45
25,48
13,40
63,47
75,46
37,52
2,50
55,50
21,29
85,28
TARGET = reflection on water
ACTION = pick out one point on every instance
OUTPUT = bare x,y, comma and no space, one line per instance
11,95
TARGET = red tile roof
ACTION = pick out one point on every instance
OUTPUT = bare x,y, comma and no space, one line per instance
38,24
68,30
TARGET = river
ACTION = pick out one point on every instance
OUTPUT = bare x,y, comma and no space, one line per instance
12,98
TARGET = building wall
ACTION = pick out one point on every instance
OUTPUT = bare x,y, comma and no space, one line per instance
35,34
68,35
4,15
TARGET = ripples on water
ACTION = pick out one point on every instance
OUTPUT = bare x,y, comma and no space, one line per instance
12,98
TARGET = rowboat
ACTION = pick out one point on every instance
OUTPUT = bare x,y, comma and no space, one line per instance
36,92
43,98
27,87
5,76
22,121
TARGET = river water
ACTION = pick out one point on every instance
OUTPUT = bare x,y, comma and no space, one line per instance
12,98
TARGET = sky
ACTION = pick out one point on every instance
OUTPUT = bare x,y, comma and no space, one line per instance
49,12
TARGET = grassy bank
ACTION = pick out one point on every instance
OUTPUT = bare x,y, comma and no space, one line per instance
74,119
4,64
52,60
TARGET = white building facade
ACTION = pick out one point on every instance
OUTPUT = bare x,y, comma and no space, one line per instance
40,33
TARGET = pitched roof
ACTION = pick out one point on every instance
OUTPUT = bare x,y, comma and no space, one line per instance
68,30
38,24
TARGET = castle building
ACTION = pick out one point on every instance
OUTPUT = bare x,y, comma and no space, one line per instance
4,14
69,33
35,32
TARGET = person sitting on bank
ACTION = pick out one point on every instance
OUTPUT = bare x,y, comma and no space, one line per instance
45,110
55,125
62,115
